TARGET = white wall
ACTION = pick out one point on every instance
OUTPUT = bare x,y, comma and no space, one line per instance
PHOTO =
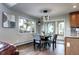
11,35
67,26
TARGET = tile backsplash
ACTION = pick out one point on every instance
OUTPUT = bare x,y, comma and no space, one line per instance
75,31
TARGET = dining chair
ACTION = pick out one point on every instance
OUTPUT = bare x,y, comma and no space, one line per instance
54,41
47,41
37,41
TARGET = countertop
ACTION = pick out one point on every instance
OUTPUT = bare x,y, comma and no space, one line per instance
76,37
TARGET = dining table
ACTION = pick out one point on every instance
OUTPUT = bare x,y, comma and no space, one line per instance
45,40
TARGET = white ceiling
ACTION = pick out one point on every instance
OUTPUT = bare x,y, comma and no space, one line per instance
34,9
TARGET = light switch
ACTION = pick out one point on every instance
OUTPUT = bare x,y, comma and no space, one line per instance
68,44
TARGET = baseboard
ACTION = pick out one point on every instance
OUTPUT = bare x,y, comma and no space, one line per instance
24,44
21,43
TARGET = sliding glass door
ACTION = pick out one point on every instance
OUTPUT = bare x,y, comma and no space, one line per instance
54,27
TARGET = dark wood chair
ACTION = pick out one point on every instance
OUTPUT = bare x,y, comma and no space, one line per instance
54,41
45,41
37,44
40,42
37,41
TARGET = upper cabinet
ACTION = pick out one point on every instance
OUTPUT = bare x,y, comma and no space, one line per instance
74,19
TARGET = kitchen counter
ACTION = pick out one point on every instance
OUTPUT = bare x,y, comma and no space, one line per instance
76,37
71,45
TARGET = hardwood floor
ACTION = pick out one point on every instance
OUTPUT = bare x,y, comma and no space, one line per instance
27,49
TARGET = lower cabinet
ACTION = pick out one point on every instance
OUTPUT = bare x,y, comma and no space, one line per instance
71,46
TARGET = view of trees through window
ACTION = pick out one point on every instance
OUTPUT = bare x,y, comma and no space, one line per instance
26,25
51,28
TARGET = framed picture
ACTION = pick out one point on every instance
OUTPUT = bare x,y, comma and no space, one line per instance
8,21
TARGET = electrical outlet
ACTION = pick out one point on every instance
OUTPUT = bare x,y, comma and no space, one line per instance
68,44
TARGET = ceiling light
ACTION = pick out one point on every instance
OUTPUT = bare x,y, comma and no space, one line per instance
45,11
74,6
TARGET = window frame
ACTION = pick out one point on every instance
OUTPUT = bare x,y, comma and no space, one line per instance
58,28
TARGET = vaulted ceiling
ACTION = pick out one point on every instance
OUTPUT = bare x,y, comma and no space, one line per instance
35,9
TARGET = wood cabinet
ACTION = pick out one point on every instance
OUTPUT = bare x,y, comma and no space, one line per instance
71,46
74,19
77,20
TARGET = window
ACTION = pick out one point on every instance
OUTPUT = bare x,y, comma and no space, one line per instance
61,28
51,28
26,26
48,28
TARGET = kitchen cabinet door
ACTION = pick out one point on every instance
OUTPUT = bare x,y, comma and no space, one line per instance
73,22
77,21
